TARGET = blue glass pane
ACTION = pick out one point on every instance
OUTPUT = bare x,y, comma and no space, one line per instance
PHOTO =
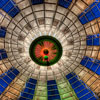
29,90
92,64
3,2
78,89
30,85
53,92
32,81
34,2
89,42
93,98
83,62
52,87
97,61
98,4
94,67
15,71
10,7
93,4
64,3
11,75
96,41
14,12
22,98
90,13
70,75
93,40
27,95
3,83
72,80
57,97
89,37
2,51
51,82
83,19
90,16
96,12
82,91
5,79
1,89
89,95
4,55
98,35
2,32
76,84
98,71
89,64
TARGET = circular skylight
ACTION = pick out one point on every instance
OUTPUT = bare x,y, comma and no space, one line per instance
45,50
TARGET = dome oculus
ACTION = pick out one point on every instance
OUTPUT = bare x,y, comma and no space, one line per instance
45,50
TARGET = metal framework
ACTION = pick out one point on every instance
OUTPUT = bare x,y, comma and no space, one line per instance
59,22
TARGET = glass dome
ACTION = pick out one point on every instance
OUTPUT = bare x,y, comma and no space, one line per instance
75,24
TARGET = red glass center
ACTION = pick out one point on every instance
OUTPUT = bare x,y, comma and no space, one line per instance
45,50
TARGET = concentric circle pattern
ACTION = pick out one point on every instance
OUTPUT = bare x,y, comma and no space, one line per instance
45,50
47,41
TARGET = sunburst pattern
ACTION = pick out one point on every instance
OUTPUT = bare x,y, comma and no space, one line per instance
45,50
47,46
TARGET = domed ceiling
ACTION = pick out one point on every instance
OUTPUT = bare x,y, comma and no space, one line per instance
69,41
